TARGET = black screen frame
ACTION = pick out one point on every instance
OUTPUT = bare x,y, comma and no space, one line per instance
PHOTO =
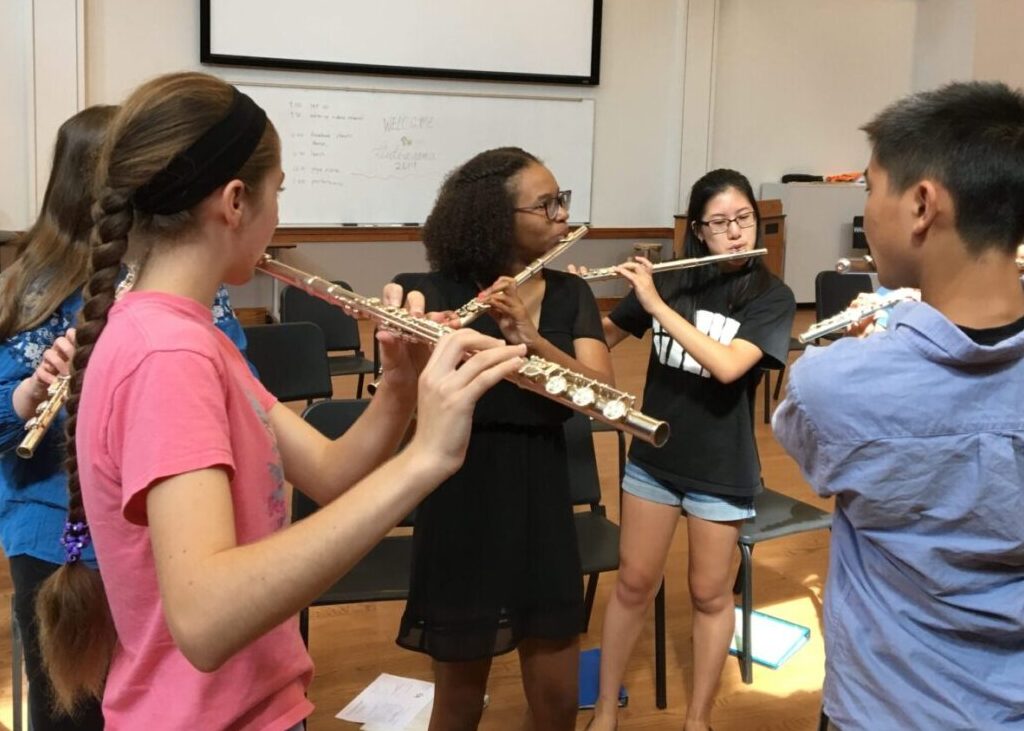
206,56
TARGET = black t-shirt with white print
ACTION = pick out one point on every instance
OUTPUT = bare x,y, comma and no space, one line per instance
711,447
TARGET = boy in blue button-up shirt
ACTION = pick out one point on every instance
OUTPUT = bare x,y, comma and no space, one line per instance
918,431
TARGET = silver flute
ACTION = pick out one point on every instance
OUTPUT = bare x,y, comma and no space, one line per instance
474,308
864,264
550,380
854,314
867,264
57,394
596,275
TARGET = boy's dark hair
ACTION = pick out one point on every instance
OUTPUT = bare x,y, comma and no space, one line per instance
470,232
970,138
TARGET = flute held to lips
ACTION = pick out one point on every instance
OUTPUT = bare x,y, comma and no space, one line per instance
547,379
867,264
596,275
857,312
864,264
474,308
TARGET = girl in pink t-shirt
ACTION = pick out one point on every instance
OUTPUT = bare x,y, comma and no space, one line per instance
177,455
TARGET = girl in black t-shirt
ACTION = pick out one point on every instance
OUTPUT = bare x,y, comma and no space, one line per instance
496,565
713,326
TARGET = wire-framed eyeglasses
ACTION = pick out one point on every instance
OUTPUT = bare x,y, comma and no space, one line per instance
550,206
720,224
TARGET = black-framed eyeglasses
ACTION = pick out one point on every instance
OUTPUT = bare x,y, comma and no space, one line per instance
562,200
720,224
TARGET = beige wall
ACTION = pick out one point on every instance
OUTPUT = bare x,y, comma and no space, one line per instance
638,100
15,153
638,108
943,43
782,84
999,41
796,78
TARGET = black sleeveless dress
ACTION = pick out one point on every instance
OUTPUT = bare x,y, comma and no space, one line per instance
495,557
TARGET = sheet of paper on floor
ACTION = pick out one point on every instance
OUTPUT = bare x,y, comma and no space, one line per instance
390,700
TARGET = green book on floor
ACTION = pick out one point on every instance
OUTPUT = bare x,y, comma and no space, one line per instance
590,671
775,640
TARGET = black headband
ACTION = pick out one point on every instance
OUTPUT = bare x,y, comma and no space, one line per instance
209,162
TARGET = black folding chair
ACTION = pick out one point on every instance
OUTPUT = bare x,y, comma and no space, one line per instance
341,333
833,293
290,360
383,573
598,536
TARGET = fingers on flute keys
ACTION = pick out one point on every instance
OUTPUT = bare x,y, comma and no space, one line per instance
489,360
57,359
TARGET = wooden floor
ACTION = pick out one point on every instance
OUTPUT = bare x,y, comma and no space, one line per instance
352,644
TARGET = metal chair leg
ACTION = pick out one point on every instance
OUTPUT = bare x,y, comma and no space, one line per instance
778,383
304,626
823,721
767,396
747,602
588,600
660,683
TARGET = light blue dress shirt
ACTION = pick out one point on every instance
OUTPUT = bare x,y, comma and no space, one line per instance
918,432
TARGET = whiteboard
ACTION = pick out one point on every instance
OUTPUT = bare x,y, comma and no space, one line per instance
379,158
529,40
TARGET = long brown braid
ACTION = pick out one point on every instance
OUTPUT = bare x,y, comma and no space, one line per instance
157,122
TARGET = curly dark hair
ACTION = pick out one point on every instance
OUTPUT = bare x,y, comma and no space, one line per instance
469,233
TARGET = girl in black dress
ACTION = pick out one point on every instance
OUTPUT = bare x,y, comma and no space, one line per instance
496,564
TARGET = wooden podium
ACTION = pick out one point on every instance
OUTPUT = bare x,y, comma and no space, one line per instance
773,235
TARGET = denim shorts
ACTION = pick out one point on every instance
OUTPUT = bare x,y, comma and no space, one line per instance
707,506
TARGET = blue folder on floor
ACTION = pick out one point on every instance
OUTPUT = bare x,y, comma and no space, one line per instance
775,640
590,670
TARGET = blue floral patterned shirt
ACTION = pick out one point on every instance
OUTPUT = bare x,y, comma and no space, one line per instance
33,492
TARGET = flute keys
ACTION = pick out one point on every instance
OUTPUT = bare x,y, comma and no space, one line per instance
531,369
556,385
584,396
614,410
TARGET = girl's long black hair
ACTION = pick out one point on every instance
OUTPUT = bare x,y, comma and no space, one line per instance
745,284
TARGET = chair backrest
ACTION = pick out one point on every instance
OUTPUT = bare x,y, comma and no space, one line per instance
332,418
833,292
584,483
341,332
291,360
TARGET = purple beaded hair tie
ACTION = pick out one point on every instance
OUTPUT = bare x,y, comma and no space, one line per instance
75,539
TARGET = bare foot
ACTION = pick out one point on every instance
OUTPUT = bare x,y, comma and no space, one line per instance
694,725
602,723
